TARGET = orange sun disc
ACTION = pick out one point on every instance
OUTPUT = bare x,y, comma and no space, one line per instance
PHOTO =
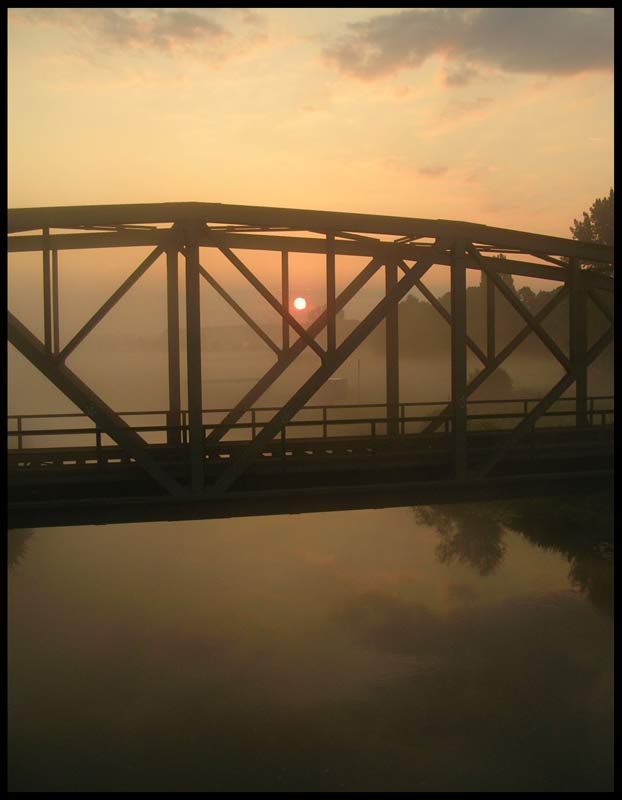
300,303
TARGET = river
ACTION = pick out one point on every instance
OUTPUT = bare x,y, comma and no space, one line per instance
454,648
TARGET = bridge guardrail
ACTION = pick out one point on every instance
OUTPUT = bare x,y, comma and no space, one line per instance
377,424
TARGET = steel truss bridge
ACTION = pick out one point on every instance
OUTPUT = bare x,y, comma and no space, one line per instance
254,459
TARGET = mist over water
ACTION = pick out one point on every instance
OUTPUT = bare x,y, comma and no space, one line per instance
350,651
454,648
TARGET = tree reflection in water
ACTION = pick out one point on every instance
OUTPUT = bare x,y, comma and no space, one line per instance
17,546
578,527
469,532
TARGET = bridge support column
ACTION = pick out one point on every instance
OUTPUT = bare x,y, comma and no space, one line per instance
490,316
193,351
331,310
173,418
578,338
285,296
458,358
55,305
47,293
392,354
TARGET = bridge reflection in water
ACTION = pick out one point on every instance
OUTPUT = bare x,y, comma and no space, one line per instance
250,459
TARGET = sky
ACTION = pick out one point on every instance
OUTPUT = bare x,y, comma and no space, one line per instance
496,116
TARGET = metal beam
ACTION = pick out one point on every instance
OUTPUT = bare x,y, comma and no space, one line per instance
89,403
392,353
498,359
518,306
490,316
459,360
332,363
193,354
598,302
293,244
47,293
174,372
267,295
526,425
22,219
577,320
285,295
239,310
110,303
331,314
447,317
55,304
289,357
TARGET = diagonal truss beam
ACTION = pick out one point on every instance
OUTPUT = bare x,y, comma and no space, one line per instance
331,364
267,295
518,306
550,259
435,303
294,351
110,303
239,310
91,404
601,305
526,425
499,358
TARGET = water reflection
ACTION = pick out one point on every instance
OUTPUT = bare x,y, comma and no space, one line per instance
319,652
17,546
578,527
471,533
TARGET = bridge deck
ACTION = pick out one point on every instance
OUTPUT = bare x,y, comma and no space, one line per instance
91,485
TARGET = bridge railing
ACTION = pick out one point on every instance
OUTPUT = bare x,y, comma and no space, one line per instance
327,421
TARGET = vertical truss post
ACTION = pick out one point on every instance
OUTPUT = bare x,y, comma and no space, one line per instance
578,338
285,296
392,354
173,417
193,334
490,316
47,292
331,310
458,357
55,304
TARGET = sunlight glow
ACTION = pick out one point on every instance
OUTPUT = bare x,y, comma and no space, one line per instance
300,303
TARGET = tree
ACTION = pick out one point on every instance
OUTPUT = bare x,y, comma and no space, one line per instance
597,226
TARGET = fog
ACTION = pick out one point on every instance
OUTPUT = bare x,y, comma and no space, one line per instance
459,648
124,359
351,651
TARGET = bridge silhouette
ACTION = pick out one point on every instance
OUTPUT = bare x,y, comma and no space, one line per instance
192,461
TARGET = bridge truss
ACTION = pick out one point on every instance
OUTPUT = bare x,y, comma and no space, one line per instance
178,479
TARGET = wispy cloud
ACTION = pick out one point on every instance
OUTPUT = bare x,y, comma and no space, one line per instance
550,41
457,76
158,29
432,170
465,109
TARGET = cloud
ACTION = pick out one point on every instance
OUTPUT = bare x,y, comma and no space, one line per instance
549,41
459,109
432,170
460,75
157,29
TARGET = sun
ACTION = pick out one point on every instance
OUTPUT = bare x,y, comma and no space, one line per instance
300,304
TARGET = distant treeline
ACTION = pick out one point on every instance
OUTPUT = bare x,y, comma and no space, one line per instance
424,332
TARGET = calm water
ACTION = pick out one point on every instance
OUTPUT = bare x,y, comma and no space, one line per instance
457,648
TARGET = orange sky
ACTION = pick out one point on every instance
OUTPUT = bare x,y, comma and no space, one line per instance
498,116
